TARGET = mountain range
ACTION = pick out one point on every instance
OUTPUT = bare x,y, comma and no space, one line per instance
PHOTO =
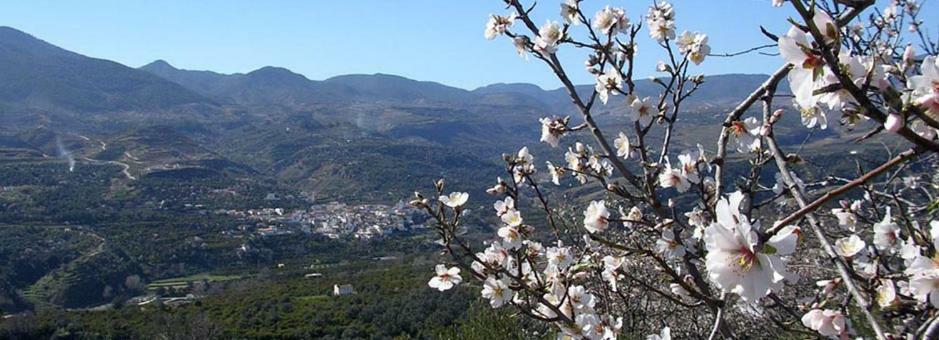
353,136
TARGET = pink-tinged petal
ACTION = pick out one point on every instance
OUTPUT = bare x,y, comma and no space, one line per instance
894,122
785,240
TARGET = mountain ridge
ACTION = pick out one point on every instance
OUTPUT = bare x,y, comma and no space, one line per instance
39,75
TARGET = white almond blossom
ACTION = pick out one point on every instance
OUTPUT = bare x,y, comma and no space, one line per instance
494,256
599,328
857,68
737,261
497,291
813,116
596,217
924,280
455,199
504,206
580,298
575,162
673,178
642,110
623,148
635,214
511,237
512,218
807,68
826,322
694,46
555,172
909,251
498,24
926,85
610,265
600,166
661,21
499,188
746,134
569,12
521,46
445,278
668,246
886,232
523,156
886,293
548,36
689,166
611,21
552,130
609,83
560,257
846,215
698,219
850,246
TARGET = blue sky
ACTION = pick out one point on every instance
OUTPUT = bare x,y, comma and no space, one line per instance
438,40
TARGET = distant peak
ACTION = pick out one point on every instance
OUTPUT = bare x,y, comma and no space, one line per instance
7,32
158,64
273,70
278,75
8,29
510,86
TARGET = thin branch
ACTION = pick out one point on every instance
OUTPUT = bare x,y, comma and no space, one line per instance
902,157
749,50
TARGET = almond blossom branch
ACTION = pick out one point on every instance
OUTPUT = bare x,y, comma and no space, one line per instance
719,160
816,228
857,93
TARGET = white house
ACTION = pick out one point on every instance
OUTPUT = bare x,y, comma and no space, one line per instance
343,289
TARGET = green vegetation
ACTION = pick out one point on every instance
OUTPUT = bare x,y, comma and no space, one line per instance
186,280
391,301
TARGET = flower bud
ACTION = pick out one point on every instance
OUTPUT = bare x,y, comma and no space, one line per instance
894,122
663,67
909,55
776,116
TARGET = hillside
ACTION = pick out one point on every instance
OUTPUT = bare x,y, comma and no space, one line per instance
45,82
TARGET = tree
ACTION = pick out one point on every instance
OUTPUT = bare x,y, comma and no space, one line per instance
669,240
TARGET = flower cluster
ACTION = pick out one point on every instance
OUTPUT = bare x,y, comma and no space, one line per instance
651,231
